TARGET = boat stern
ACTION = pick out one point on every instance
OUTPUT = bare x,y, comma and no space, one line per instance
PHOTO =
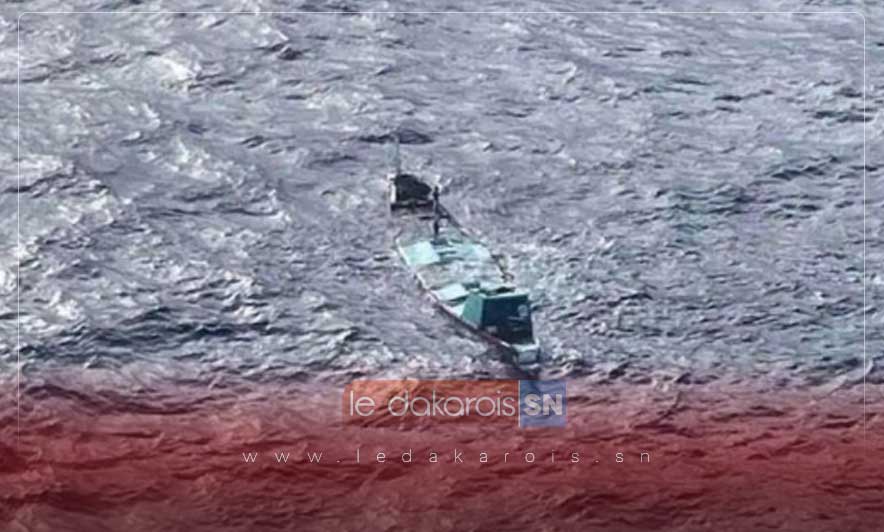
527,356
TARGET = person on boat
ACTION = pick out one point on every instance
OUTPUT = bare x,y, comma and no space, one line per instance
437,213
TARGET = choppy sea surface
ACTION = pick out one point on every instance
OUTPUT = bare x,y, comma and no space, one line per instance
200,208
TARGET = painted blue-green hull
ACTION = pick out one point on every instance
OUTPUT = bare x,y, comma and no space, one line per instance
452,266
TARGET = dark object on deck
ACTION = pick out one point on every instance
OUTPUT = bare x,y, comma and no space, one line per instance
407,191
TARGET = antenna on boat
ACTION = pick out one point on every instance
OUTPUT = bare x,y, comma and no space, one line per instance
395,161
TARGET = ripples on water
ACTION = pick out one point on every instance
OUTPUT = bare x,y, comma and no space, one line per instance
202,195
683,193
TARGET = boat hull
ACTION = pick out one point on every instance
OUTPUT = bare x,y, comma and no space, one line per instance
450,263
459,274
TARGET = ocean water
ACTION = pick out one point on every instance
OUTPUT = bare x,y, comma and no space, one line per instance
197,255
